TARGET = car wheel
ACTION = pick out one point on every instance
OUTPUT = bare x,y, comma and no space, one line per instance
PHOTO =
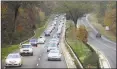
6,67
20,65
48,59
31,54
21,54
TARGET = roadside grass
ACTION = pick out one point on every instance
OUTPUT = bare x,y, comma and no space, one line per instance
39,31
5,51
82,51
100,28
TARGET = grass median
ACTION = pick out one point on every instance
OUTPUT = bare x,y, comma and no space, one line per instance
87,57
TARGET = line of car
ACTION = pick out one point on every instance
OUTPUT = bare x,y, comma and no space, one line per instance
53,49
15,59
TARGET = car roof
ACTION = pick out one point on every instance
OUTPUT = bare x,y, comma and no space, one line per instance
26,44
55,50
14,54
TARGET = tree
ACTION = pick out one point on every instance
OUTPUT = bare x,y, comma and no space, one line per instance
82,33
74,9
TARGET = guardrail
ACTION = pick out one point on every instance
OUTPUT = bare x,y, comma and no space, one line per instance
103,62
102,59
73,53
74,56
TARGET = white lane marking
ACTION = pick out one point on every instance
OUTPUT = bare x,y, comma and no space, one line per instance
104,44
39,59
97,31
107,46
37,64
100,53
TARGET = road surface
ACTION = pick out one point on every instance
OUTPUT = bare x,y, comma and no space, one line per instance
39,59
107,47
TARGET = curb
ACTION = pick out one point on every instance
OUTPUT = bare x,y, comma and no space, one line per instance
80,65
74,55
102,59
104,63
66,54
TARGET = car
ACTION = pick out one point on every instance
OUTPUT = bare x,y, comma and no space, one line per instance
55,36
41,40
13,59
59,32
47,33
33,42
51,46
26,49
54,55
55,40
98,35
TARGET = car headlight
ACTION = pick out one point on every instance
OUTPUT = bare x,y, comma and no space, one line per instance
30,50
7,61
21,50
18,61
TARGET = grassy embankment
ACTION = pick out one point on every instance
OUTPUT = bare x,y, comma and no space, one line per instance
5,51
82,51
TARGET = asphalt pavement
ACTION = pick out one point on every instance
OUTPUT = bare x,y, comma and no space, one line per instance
106,47
39,59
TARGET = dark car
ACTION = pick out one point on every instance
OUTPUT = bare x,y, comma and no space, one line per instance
98,35
33,42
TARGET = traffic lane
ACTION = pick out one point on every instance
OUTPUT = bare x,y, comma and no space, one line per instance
89,25
30,61
105,43
107,52
44,63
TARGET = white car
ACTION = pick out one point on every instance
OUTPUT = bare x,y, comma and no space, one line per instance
13,59
52,46
26,49
54,55
41,40
55,40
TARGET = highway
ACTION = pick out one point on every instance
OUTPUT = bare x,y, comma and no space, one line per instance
107,47
39,59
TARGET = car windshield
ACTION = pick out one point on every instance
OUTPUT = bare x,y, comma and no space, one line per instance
13,56
54,40
53,45
26,46
33,40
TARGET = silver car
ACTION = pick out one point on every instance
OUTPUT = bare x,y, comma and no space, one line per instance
52,46
54,55
13,59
